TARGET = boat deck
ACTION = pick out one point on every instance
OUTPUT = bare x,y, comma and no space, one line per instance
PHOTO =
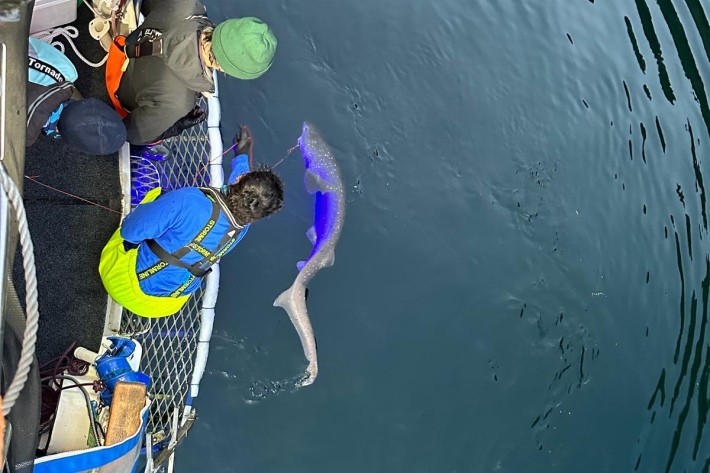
69,234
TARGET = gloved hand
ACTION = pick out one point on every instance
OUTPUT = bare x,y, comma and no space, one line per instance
243,141
194,117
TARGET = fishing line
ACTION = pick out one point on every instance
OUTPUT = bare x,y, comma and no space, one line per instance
32,178
288,152
251,147
234,145
199,171
197,175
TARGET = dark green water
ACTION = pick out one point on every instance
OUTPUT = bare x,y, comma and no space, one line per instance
522,282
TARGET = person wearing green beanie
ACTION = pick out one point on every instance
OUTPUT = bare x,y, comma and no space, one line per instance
243,48
171,59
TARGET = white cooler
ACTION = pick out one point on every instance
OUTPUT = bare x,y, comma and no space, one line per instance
52,13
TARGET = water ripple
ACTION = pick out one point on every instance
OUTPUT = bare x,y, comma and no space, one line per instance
684,383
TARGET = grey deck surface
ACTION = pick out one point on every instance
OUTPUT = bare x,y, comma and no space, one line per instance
69,234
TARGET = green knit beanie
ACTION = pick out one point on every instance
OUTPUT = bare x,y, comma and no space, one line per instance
244,47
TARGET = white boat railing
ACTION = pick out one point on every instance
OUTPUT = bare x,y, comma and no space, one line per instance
209,297
175,348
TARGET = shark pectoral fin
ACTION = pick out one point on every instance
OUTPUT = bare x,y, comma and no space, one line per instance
311,234
300,265
314,183
329,258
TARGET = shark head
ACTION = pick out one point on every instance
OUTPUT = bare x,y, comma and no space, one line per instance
311,144
321,170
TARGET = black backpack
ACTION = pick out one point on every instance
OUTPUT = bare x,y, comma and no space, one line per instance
42,101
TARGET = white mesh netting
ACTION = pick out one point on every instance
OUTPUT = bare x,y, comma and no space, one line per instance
170,343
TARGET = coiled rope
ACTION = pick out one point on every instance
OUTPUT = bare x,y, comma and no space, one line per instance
70,33
29,339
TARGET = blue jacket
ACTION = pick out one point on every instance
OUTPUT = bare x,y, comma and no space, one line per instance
173,220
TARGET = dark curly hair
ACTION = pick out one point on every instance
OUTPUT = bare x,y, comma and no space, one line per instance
256,195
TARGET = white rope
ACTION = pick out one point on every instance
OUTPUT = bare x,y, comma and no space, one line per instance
29,338
70,33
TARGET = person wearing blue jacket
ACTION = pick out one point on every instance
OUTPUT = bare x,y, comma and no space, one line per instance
158,256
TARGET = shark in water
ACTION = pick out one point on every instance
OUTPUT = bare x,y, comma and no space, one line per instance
322,178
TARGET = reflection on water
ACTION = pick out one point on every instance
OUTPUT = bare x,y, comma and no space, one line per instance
576,351
244,359
681,392
524,283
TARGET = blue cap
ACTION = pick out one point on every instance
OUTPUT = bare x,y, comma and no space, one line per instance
92,127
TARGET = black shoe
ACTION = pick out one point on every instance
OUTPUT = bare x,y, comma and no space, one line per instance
152,152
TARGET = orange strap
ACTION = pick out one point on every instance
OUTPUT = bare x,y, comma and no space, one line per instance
115,67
